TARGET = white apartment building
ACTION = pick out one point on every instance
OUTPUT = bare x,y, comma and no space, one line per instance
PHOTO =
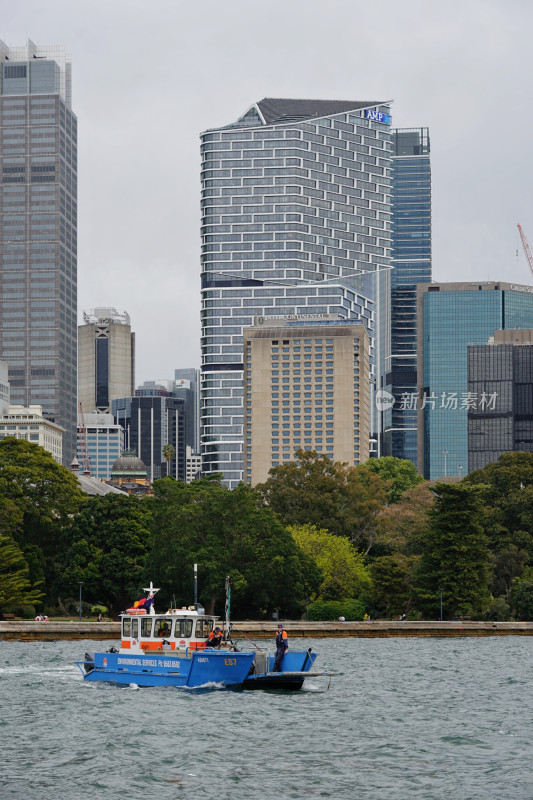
29,423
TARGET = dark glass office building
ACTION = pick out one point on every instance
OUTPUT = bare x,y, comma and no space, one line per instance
411,259
38,233
452,316
151,422
500,374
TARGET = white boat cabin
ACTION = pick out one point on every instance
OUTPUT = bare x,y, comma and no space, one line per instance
177,629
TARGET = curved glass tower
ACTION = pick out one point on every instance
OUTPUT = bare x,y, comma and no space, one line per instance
295,220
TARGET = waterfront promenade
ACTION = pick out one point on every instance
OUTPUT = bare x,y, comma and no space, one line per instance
15,630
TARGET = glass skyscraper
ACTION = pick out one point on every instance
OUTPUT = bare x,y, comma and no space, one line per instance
295,220
411,258
38,233
451,317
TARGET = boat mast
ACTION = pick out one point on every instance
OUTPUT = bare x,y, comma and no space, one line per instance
228,604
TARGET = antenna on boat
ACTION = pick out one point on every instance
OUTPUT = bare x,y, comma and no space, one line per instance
228,604
196,586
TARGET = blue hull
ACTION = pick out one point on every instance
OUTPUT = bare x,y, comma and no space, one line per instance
295,665
196,669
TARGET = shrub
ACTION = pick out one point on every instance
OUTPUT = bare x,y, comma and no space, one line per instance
498,609
331,610
72,606
24,611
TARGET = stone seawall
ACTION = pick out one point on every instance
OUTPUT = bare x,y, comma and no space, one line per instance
42,631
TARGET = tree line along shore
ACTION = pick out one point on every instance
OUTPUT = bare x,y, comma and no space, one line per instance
318,539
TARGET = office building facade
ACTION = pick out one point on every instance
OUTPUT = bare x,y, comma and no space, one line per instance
106,359
452,316
306,387
189,378
411,259
500,374
38,233
295,220
4,388
193,465
185,390
150,423
103,439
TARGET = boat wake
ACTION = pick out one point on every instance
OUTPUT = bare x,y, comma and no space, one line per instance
37,669
313,687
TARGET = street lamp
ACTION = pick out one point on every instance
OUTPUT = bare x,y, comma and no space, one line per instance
445,463
81,584
440,590
460,468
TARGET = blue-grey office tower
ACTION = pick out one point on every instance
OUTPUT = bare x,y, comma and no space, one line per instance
38,233
295,220
411,259
452,316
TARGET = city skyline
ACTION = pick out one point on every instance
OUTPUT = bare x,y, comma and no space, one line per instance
448,76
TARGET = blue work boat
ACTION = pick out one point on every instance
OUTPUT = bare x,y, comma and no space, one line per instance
170,649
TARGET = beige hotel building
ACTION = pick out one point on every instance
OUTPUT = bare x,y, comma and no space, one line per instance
306,386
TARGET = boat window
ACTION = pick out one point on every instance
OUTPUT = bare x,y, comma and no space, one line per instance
162,627
183,628
146,627
134,628
203,628
126,628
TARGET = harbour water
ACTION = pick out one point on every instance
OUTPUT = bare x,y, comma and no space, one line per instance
405,719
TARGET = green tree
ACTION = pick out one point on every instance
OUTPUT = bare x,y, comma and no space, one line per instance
46,495
509,496
226,533
392,583
343,568
403,525
109,545
508,564
522,599
15,586
168,454
398,474
315,490
11,518
40,487
456,557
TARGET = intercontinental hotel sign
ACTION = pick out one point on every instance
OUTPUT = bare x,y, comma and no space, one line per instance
294,320
260,320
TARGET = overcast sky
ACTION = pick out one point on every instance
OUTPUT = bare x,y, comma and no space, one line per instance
150,75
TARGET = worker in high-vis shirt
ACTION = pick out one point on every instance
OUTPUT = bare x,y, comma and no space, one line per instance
282,645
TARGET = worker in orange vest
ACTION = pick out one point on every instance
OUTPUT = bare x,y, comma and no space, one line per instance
214,638
282,645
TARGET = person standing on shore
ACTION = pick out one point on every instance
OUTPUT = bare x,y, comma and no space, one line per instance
282,645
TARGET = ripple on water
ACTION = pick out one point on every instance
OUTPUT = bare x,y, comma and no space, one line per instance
413,719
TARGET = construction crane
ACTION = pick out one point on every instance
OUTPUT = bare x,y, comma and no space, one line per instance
527,248
84,448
